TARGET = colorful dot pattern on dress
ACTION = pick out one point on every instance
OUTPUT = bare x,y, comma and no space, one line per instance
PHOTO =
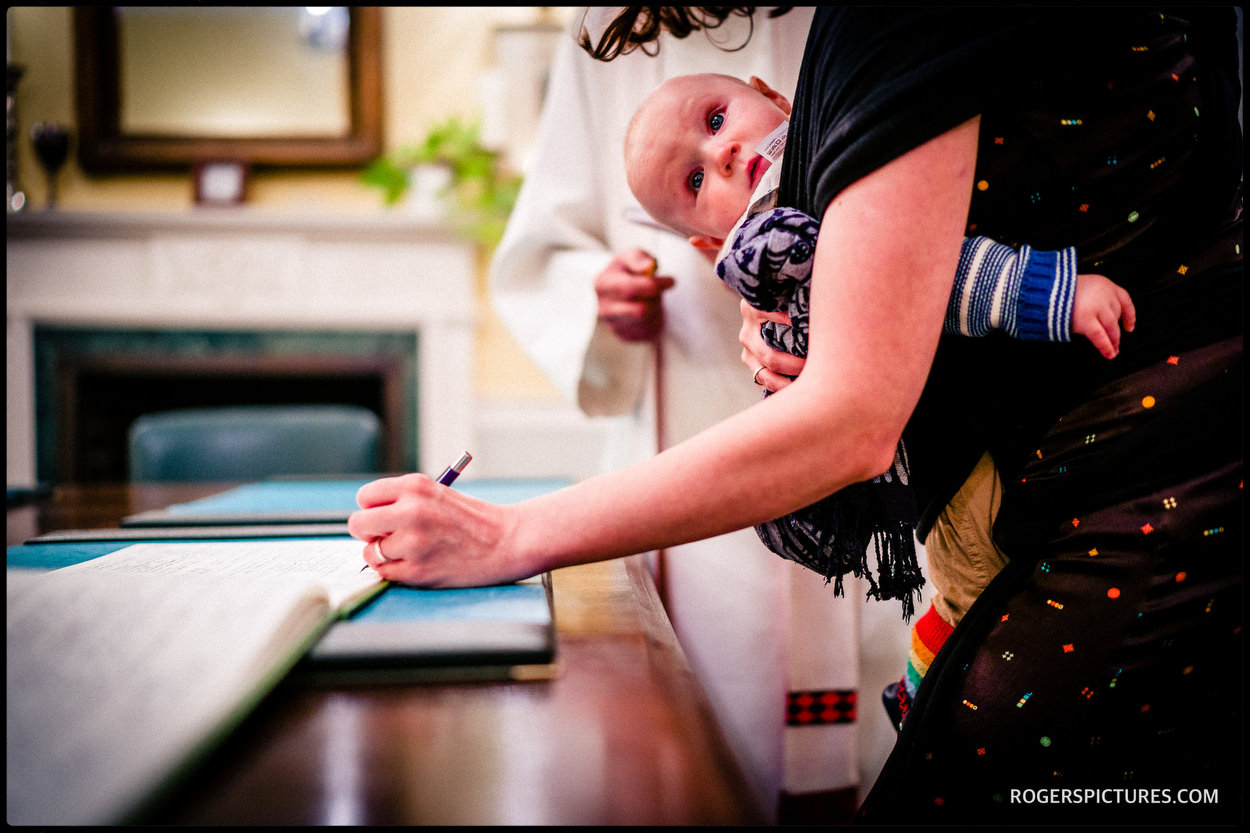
1097,656
1075,127
1078,604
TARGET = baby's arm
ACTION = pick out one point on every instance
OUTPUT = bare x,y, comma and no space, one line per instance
768,256
1029,294
1035,296
768,262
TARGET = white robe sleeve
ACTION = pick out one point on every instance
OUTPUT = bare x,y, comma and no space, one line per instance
557,241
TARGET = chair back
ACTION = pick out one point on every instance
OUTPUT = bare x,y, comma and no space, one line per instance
252,442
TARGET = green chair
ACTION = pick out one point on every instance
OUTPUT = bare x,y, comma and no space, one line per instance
253,442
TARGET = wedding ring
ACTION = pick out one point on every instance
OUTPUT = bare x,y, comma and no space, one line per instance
377,546
755,377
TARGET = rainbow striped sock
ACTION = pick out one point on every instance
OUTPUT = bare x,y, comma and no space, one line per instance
927,637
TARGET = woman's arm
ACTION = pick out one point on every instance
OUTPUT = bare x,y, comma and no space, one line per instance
884,266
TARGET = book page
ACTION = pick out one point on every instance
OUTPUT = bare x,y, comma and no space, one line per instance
332,563
120,668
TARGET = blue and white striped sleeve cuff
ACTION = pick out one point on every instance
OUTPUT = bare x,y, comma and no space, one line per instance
983,285
1047,289
1026,294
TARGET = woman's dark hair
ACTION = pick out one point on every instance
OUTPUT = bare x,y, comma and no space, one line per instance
638,26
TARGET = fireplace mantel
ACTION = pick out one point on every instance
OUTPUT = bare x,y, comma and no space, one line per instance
246,269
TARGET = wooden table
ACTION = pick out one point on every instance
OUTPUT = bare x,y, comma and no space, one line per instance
623,735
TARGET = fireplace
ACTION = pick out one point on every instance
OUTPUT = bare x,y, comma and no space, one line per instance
100,381
115,314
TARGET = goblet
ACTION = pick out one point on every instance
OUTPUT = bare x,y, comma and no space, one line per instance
51,143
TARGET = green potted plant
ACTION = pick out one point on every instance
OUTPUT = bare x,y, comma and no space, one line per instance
475,185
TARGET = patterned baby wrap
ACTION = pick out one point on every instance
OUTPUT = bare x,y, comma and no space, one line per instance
769,263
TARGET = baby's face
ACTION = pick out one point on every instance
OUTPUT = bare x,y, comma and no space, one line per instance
694,165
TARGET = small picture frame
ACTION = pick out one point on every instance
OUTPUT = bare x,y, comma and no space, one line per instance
220,182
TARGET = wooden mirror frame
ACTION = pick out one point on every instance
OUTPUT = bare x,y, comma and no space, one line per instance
103,148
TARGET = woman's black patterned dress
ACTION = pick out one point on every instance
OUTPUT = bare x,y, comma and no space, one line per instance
1098,678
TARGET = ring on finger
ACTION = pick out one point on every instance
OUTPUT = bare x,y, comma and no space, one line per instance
755,377
377,547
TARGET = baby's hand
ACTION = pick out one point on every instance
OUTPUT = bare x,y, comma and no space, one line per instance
1099,309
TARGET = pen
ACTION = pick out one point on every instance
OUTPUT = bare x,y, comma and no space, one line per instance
450,473
448,477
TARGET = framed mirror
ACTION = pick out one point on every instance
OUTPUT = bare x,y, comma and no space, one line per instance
167,87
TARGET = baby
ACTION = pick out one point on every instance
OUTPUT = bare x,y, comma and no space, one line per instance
692,160
702,156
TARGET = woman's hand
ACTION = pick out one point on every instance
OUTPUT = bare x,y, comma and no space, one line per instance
433,536
779,368
630,296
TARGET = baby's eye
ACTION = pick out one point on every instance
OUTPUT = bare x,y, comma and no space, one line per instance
696,181
715,121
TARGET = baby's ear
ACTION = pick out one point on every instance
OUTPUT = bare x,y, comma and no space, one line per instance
772,95
707,245
706,241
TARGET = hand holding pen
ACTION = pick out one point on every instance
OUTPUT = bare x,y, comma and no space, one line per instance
448,477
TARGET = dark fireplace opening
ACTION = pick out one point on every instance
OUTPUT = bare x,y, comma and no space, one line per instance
96,394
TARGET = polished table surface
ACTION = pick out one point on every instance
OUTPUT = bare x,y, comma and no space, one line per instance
621,735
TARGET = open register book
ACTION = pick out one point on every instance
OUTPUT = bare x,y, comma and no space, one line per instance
123,670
